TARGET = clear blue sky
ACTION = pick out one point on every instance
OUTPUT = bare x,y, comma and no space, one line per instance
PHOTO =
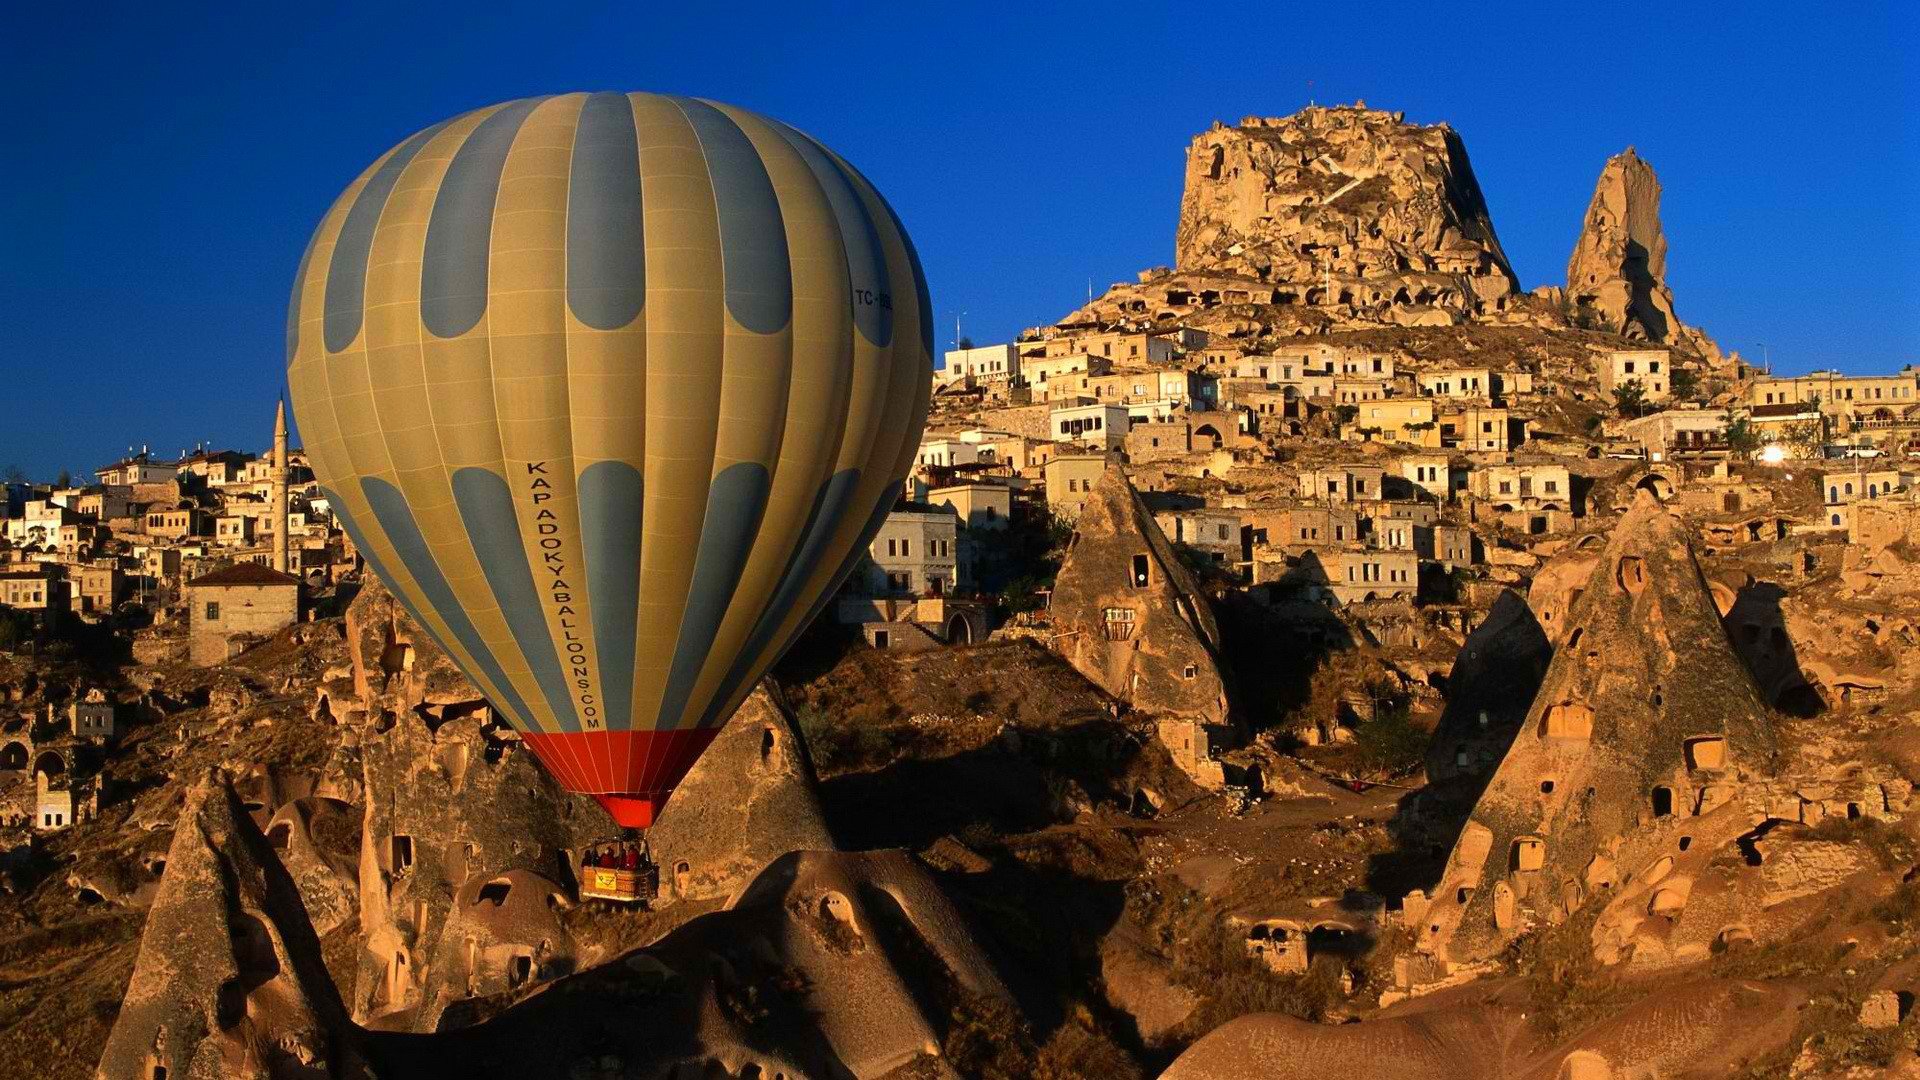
165,163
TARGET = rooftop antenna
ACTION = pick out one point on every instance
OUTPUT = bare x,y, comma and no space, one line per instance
1766,360
1310,92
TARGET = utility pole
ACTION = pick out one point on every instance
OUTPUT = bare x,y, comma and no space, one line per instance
1766,360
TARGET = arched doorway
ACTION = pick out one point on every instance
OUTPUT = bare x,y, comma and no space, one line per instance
959,631
1659,486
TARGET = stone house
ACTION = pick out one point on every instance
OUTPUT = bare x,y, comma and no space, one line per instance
1124,347
1407,421
1481,428
1450,545
92,716
1304,526
1523,487
96,590
1840,488
984,364
54,804
1099,425
1651,368
138,468
1069,480
1218,534
1433,474
179,523
1674,433
915,553
1349,575
1158,440
235,530
1057,377
1343,483
233,608
38,587
1456,382
980,506
1848,396
1355,391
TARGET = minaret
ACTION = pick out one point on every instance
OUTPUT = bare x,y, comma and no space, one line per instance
280,487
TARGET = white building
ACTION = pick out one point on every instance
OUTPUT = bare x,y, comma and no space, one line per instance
915,553
1099,425
987,363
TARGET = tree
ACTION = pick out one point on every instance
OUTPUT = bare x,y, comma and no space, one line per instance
65,479
964,343
1346,414
1686,383
13,474
1741,439
1630,398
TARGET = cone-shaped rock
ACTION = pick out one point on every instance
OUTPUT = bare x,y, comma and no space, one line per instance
1130,617
750,799
1646,718
229,982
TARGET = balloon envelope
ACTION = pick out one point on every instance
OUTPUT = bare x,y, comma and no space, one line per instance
612,390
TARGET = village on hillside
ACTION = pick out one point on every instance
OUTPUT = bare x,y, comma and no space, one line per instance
1441,613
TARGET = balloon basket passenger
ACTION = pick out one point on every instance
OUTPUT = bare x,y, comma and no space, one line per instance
621,872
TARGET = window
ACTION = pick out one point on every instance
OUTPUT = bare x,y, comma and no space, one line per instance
213,610
1662,802
1119,623
1139,577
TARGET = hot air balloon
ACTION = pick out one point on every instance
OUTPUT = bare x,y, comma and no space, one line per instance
612,390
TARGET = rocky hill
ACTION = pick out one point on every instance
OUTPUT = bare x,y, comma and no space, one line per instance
1353,195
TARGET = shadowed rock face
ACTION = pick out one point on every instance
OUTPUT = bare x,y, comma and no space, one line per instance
1491,684
1488,1039
229,982
1346,194
826,964
1619,266
1645,729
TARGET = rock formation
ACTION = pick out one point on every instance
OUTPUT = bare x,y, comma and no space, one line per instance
1706,1026
1338,216
230,983
1618,272
1131,618
749,799
453,803
824,965
1353,193
1639,754
1491,684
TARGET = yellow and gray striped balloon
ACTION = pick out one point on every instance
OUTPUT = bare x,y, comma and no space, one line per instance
612,390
